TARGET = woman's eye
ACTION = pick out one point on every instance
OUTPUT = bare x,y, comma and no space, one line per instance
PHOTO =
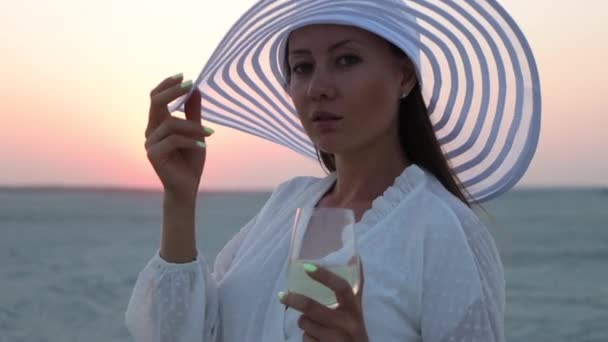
348,60
342,61
301,68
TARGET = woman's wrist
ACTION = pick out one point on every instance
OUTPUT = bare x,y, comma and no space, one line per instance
177,197
178,240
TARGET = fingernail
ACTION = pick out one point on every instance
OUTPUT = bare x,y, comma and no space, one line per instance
201,144
309,267
186,84
178,75
208,130
281,295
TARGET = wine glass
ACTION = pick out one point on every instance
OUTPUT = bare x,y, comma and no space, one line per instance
325,237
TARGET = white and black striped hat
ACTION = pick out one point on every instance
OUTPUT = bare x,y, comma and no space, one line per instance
477,71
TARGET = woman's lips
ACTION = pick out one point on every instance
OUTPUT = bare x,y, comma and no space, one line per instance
326,125
321,115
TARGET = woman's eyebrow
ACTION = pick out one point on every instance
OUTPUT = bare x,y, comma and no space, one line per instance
332,47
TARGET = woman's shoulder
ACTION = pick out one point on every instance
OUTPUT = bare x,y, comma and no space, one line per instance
451,224
452,205
443,212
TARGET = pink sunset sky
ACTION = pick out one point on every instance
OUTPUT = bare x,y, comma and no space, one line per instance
76,77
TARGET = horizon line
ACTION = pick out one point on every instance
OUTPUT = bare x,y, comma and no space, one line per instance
123,188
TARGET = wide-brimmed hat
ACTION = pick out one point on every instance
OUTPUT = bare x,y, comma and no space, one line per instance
477,72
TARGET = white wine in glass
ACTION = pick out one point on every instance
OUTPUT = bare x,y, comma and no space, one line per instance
325,237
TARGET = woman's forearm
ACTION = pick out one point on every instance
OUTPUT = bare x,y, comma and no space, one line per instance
178,235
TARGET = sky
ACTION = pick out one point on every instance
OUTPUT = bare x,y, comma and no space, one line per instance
76,77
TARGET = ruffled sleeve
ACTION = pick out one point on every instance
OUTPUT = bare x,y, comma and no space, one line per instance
180,302
463,282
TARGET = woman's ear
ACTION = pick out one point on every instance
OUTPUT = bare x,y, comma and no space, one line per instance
408,85
409,79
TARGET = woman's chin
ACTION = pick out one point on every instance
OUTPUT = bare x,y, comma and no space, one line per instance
335,143
327,145
329,148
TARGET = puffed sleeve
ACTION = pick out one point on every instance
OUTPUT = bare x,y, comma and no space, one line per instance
463,290
179,302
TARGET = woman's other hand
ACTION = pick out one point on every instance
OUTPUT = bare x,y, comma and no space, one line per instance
320,323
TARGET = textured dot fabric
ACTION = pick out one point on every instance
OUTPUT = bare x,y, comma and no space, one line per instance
432,273
478,74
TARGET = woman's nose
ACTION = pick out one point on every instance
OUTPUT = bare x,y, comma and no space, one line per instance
321,86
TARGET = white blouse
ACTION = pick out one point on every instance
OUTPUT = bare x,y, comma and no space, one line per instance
432,273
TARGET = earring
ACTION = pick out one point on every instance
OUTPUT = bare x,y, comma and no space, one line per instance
403,95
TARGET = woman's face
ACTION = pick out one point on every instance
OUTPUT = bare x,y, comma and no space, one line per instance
349,74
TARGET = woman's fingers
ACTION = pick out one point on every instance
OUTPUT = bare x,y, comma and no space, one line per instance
162,98
341,288
171,143
173,125
193,107
316,331
317,312
167,91
167,83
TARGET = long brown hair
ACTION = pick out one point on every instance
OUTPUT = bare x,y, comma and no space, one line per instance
416,136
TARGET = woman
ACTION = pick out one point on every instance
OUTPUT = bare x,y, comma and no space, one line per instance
431,271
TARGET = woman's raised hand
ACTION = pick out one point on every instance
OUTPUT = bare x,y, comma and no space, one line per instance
176,147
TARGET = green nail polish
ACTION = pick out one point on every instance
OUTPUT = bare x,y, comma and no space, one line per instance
186,84
281,295
309,267
176,76
208,130
201,144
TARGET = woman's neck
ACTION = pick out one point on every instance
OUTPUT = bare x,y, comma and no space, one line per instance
362,177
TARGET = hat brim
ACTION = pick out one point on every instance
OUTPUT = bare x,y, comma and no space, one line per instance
478,74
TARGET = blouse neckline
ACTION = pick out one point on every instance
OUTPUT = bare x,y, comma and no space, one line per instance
412,176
